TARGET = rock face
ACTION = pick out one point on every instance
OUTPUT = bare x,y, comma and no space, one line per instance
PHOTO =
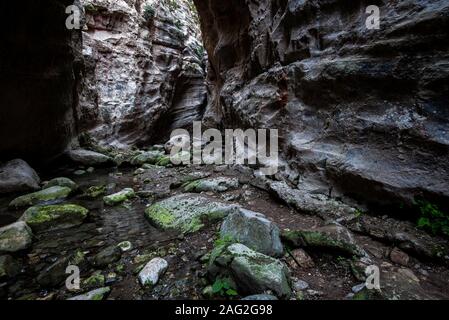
144,69
363,111
39,79
18,176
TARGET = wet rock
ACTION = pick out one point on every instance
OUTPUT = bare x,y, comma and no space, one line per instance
55,274
54,217
152,271
149,157
9,267
89,158
208,292
95,192
314,204
94,295
253,272
220,184
41,197
18,176
107,256
186,212
253,230
260,297
331,237
399,257
15,237
119,197
61,182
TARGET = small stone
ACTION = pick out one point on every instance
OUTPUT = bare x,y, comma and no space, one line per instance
302,258
208,292
300,285
125,246
260,297
119,197
96,280
399,257
139,171
358,288
90,170
79,173
152,271
97,294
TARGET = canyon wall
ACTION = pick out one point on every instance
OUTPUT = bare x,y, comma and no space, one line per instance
39,63
361,113
144,70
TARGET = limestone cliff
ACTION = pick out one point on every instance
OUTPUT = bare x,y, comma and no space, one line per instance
144,71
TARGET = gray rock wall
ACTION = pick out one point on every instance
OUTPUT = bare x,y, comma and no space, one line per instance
144,72
362,113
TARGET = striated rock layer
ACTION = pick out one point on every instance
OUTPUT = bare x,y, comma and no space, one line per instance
144,73
361,112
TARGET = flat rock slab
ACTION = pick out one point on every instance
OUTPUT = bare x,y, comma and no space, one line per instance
153,270
253,230
119,197
15,237
331,237
41,197
220,184
62,182
89,158
54,217
97,294
186,212
253,272
18,176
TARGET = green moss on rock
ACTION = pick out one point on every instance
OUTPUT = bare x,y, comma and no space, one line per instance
119,197
40,197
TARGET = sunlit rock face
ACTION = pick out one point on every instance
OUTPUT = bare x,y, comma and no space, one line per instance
39,63
361,112
144,71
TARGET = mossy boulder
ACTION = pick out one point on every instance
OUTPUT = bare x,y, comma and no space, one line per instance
253,272
332,237
54,217
95,192
41,197
220,184
186,213
119,197
94,295
62,182
15,237
150,157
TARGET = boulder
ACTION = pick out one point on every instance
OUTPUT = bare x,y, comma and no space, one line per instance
54,217
89,158
253,272
253,230
331,237
152,271
107,256
15,237
18,176
186,212
220,184
9,267
119,197
149,157
97,294
41,197
62,182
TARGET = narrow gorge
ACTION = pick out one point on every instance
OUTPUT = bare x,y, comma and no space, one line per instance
90,185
